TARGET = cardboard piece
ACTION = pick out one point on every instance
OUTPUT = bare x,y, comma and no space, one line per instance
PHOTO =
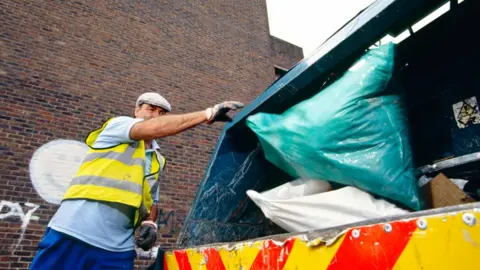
441,192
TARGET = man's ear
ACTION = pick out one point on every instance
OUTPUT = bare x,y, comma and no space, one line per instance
135,112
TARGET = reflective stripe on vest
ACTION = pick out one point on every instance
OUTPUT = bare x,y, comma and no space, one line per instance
107,182
125,157
116,174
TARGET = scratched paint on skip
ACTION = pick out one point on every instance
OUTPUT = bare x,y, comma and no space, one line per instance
379,250
445,244
468,238
273,255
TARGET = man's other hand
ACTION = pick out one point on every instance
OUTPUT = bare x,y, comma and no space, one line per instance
147,235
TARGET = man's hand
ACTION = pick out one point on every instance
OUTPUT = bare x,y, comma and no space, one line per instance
218,113
147,235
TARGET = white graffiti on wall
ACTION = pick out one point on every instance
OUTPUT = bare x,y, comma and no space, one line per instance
15,210
53,166
51,169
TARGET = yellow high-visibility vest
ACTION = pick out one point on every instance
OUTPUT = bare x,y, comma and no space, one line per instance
116,174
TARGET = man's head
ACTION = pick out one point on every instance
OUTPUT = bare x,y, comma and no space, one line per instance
151,105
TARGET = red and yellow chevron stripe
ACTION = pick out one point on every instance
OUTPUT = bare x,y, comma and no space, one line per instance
445,241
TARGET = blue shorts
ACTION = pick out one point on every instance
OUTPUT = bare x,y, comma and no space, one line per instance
60,251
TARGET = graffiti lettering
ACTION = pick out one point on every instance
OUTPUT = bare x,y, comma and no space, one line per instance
15,210
166,220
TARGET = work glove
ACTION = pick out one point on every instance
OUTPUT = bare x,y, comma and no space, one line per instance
218,113
147,235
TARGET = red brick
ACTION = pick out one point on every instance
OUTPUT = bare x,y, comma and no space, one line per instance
68,66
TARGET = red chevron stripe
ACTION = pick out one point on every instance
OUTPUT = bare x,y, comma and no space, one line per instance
165,264
182,259
375,248
214,261
272,256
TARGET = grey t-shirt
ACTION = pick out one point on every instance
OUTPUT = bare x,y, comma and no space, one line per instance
104,225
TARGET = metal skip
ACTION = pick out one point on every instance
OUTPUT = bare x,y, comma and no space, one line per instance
440,241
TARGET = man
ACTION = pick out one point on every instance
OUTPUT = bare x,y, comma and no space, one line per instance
115,190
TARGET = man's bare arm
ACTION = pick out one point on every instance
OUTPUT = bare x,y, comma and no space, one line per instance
166,125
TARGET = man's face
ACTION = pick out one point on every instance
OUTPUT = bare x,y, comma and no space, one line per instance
147,111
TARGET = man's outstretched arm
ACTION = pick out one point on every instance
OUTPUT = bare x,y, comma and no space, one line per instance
168,125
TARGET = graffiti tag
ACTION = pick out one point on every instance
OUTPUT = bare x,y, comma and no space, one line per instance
15,210
166,220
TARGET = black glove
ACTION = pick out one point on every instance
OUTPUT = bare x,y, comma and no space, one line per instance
147,235
218,113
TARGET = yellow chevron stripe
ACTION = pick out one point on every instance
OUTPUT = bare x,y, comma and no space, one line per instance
318,256
171,261
196,259
447,243
242,256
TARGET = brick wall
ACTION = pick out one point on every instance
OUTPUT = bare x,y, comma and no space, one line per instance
282,52
66,66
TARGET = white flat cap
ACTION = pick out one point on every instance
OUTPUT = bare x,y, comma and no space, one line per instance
154,99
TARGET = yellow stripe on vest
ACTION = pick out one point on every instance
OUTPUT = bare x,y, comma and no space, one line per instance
112,169
99,193
107,182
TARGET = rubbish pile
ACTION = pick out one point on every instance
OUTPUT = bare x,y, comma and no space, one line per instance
306,204
353,135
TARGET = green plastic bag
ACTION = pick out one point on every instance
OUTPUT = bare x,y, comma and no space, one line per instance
354,132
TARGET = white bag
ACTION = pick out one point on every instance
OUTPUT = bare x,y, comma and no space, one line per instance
306,204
